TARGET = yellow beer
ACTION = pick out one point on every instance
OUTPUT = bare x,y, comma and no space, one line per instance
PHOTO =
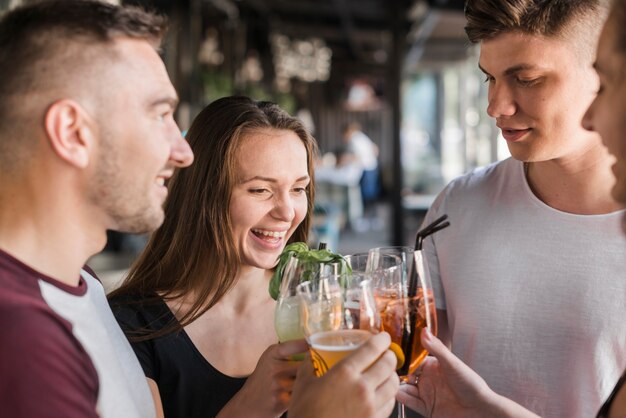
329,347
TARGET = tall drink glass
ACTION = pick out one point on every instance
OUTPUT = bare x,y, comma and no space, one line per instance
287,312
374,266
405,309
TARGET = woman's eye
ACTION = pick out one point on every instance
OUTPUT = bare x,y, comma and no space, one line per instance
258,191
488,78
300,190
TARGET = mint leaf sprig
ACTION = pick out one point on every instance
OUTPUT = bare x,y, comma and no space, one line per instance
312,258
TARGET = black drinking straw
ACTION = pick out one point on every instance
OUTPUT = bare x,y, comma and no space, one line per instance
420,238
429,229
407,337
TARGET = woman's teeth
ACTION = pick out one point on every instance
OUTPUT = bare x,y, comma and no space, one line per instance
271,234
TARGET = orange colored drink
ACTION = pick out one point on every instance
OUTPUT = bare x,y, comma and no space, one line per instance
404,319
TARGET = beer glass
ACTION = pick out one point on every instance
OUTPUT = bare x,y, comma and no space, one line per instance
338,315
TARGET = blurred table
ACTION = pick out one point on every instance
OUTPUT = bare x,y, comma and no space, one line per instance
418,202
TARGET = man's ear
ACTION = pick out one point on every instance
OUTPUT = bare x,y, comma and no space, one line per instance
70,132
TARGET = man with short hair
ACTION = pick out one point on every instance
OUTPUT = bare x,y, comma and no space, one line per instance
87,140
87,143
526,279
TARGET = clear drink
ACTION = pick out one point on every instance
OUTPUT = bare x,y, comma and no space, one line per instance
287,319
330,347
287,313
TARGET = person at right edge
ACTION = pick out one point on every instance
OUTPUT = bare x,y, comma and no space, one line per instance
529,283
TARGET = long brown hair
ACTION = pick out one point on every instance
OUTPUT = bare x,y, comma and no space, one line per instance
193,252
618,19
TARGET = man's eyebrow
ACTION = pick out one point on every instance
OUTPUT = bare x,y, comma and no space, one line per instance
272,180
513,70
170,100
518,68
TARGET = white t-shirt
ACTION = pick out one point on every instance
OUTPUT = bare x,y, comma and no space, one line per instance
535,297
364,149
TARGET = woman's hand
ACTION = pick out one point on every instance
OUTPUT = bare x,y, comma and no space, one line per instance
447,387
363,385
267,391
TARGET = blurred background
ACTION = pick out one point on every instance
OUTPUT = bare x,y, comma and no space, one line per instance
399,72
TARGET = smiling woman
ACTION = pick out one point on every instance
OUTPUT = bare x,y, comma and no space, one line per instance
607,116
195,305
269,200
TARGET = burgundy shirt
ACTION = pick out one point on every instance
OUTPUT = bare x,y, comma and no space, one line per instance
61,351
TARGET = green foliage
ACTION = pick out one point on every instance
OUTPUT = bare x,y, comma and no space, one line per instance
311,259
217,84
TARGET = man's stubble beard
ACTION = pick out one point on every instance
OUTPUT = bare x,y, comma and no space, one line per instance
126,203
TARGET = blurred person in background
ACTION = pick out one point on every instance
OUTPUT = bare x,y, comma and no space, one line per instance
362,152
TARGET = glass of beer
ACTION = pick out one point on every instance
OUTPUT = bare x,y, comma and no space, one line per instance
338,315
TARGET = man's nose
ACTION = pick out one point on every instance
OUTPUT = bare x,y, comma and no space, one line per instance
501,101
181,153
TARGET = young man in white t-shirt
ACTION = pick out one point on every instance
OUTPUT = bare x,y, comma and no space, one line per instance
529,278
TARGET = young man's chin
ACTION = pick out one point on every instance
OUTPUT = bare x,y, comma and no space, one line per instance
618,192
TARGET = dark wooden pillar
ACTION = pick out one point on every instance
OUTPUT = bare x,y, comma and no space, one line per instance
394,80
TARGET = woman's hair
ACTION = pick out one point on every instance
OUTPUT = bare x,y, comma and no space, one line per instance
618,18
193,252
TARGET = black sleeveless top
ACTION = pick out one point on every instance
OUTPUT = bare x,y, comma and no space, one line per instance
190,387
604,411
